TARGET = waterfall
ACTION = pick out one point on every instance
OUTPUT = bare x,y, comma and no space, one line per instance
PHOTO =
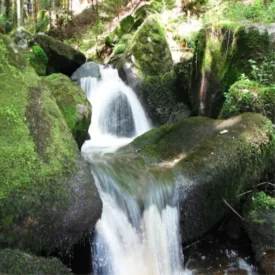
138,232
118,116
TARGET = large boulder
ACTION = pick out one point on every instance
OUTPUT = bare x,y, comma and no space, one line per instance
73,104
62,57
89,69
147,67
19,262
212,161
48,198
223,55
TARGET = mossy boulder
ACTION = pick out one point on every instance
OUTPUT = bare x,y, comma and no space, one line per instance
249,96
222,55
125,26
13,261
211,160
73,104
37,59
159,97
259,214
147,67
149,50
48,199
62,58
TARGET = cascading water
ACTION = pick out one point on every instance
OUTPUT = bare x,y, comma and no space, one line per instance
138,232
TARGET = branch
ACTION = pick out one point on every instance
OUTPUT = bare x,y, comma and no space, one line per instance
262,183
233,209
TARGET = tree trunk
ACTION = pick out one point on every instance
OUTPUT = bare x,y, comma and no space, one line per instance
18,9
34,7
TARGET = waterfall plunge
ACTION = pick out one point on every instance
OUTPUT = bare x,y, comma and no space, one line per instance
138,232
118,116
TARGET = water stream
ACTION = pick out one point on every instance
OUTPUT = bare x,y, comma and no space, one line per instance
138,232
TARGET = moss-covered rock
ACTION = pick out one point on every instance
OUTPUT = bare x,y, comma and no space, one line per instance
73,104
62,58
259,214
19,262
159,96
211,160
40,164
37,59
146,66
222,55
149,50
249,96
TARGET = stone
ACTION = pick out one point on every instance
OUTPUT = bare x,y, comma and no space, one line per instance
14,261
207,166
62,57
48,199
22,38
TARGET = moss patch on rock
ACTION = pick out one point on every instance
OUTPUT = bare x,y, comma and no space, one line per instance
260,222
37,59
37,154
249,96
149,48
19,262
71,100
159,96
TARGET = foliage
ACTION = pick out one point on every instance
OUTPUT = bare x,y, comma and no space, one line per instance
249,96
38,59
261,201
255,11
5,24
264,71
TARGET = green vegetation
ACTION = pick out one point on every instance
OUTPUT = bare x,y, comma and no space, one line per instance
249,96
240,12
37,59
261,201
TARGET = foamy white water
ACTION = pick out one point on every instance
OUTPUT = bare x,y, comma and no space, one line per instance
118,116
138,233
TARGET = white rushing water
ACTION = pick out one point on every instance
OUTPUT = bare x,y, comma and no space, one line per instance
118,116
138,232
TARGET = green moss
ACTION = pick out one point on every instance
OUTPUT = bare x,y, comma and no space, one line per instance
150,49
68,95
259,221
37,152
159,93
9,54
38,60
18,262
249,96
